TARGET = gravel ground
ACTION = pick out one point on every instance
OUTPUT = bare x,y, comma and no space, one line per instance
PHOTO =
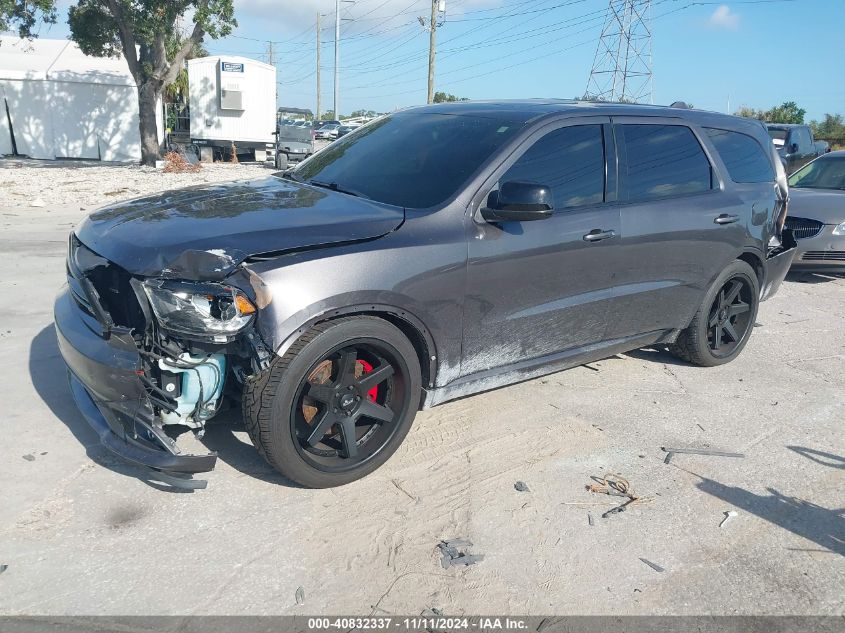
84,533
30,183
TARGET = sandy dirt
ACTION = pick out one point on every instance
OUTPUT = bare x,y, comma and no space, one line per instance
83,532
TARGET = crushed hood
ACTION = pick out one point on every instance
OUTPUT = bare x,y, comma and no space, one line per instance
823,205
205,232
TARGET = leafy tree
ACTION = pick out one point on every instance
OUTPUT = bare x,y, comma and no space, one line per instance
22,15
363,113
141,31
328,116
442,97
832,128
178,90
751,113
787,112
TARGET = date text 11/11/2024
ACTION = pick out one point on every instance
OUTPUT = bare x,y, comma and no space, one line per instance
418,623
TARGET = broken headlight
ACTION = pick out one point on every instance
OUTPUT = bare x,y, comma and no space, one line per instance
207,310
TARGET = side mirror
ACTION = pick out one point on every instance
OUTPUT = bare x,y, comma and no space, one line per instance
519,202
793,148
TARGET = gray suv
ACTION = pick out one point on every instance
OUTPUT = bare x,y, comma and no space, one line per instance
434,253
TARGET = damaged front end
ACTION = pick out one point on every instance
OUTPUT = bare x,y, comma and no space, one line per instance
148,354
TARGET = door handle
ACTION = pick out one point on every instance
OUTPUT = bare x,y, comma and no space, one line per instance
726,219
597,235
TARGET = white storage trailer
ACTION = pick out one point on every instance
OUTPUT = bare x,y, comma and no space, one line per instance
232,101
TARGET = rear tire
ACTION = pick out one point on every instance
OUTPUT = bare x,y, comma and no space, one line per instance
723,323
337,404
281,160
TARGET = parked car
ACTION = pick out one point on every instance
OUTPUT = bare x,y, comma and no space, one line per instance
817,214
343,130
328,131
794,143
450,250
294,143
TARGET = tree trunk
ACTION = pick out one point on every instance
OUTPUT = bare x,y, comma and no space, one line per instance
148,96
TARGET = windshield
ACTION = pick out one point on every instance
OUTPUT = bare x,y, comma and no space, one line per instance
409,159
822,173
778,136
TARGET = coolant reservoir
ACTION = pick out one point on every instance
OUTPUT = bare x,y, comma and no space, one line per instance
202,387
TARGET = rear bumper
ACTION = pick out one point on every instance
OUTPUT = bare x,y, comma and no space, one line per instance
105,380
777,265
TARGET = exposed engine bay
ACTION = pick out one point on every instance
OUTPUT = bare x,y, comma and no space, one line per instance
196,341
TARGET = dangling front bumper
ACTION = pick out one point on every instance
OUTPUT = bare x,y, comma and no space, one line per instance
106,382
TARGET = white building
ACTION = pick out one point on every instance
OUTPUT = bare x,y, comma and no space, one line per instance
65,104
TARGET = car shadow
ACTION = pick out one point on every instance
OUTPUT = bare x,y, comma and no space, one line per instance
820,457
657,354
806,277
49,377
824,527
221,436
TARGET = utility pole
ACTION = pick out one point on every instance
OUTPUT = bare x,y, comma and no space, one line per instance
317,117
432,50
336,58
272,62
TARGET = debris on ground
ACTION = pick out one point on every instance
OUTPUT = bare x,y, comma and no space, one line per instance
615,486
654,566
454,553
29,457
730,514
430,612
670,452
3,568
177,163
521,486
590,519
300,595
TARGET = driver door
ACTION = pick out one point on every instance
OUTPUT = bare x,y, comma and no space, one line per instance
540,287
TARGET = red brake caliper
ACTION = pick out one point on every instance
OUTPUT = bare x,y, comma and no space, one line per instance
372,394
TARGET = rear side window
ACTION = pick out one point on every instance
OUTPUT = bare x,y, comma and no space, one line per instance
742,155
662,161
570,161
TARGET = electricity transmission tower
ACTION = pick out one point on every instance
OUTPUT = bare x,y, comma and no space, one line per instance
622,65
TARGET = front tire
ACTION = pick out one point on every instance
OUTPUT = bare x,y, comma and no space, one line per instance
723,323
338,404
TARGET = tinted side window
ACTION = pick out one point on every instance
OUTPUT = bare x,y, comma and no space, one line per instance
742,155
662,161
804,144
570,161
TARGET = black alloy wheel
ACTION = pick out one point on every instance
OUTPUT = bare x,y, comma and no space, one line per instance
723,323
730,316
338,403
348,404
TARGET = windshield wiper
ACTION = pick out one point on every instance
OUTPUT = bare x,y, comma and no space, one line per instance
335,187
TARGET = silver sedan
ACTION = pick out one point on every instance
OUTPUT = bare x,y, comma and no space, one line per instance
817,213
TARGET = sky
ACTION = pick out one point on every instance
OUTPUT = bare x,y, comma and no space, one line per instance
714,55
